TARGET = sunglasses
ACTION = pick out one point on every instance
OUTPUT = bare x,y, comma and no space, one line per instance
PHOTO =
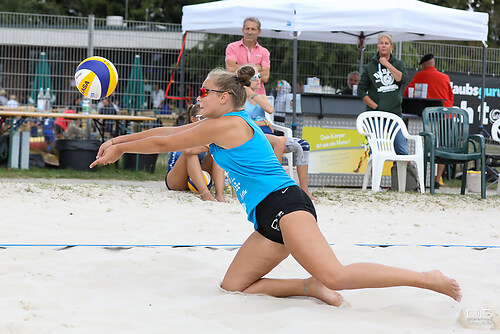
204,91
255,77
200,117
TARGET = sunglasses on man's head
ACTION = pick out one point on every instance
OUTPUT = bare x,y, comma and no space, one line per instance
204,91
255,77
200,117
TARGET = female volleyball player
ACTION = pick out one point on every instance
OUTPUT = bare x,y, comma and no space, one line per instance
283,215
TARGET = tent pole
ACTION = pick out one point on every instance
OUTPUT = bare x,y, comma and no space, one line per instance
294,83
361,50
481,114
361,60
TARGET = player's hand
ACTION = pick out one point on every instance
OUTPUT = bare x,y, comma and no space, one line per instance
103,148
110,155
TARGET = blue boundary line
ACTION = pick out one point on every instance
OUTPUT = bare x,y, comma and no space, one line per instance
239,245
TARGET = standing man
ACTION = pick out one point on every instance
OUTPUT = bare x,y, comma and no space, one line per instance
438,87
249,51
158,96
352,79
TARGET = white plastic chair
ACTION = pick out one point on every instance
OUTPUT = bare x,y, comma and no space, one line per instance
287,132
380,128
495,134
495,130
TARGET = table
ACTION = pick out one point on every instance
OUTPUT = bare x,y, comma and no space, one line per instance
97,118
415,105
324,105
25,112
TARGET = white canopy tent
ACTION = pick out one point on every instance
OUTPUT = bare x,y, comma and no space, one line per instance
339,21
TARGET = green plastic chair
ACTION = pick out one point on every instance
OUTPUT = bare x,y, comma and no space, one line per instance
446,141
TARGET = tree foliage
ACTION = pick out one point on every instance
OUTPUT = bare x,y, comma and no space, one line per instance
170,11
491,7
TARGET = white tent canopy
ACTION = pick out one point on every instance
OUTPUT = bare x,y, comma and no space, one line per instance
339,21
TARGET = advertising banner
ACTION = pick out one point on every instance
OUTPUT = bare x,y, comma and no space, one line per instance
342,151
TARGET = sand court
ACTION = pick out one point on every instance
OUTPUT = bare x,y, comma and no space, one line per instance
128,272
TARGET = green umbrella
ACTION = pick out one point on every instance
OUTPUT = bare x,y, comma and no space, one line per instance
134,97
42,78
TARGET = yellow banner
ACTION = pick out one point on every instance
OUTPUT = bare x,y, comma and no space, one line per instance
326,139
338,151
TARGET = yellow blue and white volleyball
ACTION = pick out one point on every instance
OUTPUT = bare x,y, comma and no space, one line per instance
208,182
96,77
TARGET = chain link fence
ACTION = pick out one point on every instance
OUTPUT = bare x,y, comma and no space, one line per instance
66,41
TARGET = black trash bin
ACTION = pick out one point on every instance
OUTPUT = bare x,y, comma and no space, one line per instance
136,162
77,154
4,149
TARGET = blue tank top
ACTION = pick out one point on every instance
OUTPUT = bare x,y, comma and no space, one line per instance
253,169
255,111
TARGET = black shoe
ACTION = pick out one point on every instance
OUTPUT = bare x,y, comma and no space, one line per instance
436,185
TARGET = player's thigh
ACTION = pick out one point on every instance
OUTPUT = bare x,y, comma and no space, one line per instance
177,177
308,246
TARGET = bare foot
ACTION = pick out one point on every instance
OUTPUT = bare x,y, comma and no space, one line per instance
208,197
438,282
220,198
316,289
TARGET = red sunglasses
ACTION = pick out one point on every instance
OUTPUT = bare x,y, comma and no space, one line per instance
204,91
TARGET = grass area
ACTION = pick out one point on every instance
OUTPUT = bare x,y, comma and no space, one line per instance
109,172
115,172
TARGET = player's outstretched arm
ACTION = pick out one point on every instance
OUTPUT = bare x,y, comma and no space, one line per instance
220,131
161,131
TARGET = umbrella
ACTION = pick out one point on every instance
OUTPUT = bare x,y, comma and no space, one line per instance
42,78
134,97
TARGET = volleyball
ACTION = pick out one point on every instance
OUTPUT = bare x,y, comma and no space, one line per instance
208,181
96,77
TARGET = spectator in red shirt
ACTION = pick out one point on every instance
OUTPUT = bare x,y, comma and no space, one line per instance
61,124
438,87
438,83
249,51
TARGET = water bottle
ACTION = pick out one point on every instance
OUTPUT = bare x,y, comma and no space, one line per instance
85,111
40,104
85,106
47,100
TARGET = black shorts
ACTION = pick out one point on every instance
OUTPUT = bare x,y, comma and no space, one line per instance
276,205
